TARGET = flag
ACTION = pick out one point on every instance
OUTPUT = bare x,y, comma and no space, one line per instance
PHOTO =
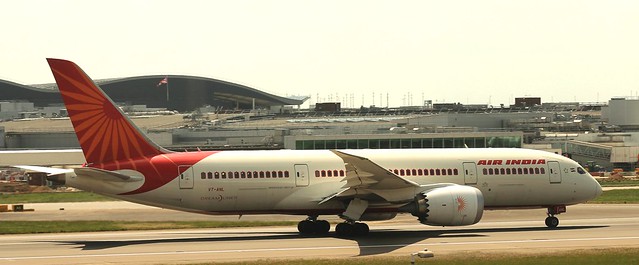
164,81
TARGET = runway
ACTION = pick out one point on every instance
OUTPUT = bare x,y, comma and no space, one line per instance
583,227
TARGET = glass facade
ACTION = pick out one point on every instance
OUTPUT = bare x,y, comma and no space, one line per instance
461,142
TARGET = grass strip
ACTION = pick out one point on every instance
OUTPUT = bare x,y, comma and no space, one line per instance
80,196
622,183
618,197
618,256
32,227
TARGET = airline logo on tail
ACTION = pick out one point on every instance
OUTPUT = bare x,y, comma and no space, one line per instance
108,139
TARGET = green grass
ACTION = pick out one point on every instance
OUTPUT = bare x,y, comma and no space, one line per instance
80,196
622,183
32,227
617,256
618,196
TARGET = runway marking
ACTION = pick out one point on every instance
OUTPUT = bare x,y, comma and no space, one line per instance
312,248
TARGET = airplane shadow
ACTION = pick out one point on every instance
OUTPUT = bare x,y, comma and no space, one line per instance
376,242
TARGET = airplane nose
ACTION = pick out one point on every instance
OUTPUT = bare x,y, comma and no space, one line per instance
598,189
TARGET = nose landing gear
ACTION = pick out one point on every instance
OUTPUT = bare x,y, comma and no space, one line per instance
551,220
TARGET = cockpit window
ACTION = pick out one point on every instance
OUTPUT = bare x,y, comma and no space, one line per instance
580,170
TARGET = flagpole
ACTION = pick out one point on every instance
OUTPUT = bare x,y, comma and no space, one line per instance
167,91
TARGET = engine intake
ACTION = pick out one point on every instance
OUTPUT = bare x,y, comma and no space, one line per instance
448,206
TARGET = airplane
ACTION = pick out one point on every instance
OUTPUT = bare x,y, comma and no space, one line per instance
440,187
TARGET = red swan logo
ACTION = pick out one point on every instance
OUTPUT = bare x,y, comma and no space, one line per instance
461,203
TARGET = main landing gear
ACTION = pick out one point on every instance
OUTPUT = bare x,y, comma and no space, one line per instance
312,226
351,229
551,220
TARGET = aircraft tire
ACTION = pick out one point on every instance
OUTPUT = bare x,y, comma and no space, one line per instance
344,229
305,227
322,227
552,221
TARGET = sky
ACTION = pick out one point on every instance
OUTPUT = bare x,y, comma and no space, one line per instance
384,53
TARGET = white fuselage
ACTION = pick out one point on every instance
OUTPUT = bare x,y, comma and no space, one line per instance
294,182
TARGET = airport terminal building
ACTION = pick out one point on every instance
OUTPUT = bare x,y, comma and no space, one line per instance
185,93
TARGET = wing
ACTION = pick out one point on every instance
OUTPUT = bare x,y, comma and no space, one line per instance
369,181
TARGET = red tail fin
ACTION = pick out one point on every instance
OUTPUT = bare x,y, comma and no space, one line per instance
105,134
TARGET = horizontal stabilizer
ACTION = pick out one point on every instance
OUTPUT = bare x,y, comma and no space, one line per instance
105,175
48,170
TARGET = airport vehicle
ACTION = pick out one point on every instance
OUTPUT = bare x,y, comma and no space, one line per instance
442,187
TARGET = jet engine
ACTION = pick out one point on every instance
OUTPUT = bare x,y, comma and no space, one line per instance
448,206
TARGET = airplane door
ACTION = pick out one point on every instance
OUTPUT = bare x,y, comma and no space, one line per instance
470,173
301,175
554,172
186,177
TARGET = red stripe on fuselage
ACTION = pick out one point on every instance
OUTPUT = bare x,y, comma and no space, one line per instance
158,170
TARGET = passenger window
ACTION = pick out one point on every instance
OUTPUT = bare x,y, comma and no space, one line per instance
261,174
414,171
335,173
450,171
203,175
502,171
210,175
525,170
444,172
490,171
217,175
249,174
286,174
223,175
455,172
543,171
420,172
438,172
485,171
496,171
317,174
401,172
537,170
280,174
520,171
268,174
323,173
329,173
342,173
432,172
508,171
425,172
236,174
243,174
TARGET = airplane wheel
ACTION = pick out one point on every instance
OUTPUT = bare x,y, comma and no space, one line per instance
344,229
322,227
305,227
552,221
361,229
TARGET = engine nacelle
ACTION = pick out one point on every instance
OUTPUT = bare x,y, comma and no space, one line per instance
448,206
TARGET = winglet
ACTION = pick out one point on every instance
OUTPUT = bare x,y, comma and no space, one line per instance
104,132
